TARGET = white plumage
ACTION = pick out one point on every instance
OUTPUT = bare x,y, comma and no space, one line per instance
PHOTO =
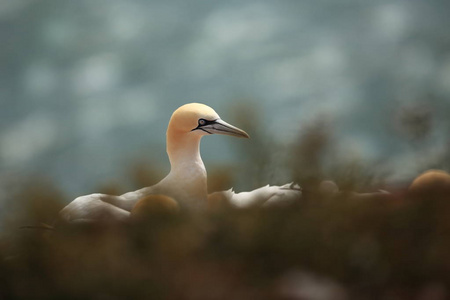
186,181
265,196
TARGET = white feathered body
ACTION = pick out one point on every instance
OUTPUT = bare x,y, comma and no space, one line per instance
264,196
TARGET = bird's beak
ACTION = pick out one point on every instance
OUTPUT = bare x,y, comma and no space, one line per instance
221,127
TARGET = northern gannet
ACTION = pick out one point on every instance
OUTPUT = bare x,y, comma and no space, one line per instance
186,181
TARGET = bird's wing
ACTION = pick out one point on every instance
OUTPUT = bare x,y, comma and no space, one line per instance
263,196
283,195
93,208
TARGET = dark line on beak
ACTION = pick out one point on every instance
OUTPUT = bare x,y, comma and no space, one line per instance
204,130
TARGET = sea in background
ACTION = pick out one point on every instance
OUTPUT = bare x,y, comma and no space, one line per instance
87,87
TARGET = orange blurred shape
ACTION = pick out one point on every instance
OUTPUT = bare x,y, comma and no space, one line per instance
154,205
431,182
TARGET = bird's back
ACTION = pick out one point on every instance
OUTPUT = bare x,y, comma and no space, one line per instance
94,207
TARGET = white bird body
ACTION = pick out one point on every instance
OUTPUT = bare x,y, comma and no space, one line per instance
264,196
92,207
186,181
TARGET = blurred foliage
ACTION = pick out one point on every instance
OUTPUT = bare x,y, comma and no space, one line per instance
314,157
380,246
415,121
38,201
255,168
372,248
308,153
220,177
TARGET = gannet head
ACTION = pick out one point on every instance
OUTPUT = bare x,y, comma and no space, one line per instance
200,119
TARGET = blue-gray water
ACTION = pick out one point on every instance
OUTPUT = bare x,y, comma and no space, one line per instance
87,86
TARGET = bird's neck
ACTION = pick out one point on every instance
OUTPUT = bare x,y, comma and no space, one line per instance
183,149
187,174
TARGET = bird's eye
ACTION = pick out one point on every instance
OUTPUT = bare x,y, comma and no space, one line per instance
201,122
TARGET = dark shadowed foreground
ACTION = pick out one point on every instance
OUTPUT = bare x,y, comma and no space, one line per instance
323,247
328,245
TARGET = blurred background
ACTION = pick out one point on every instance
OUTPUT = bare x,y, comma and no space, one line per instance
87,87
354,91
